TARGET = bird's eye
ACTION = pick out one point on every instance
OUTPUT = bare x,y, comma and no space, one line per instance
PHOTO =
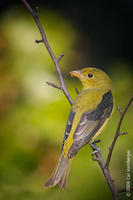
90,75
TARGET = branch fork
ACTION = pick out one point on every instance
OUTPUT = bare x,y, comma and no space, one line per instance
105,166
118,133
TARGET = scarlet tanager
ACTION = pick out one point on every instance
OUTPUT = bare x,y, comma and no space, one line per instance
89,114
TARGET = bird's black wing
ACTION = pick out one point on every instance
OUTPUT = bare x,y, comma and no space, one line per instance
90,123
68,126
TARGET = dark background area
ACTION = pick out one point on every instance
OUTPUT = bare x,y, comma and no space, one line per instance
107,24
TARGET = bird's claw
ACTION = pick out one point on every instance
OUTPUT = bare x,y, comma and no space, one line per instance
96,141
95,148
94,152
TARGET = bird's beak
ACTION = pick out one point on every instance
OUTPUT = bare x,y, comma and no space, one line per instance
77,73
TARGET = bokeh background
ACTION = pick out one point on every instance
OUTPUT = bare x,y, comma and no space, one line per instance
33,115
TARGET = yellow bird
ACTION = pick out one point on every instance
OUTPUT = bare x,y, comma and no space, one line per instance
89,114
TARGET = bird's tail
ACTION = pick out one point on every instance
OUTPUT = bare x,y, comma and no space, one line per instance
60,174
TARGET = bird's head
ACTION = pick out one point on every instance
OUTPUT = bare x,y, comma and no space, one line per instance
93,78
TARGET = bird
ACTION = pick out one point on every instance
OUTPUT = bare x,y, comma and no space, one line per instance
89,114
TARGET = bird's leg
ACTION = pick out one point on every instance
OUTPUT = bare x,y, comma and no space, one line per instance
94,147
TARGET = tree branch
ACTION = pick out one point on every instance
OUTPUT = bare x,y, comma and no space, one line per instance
117,134
34,13
38,41
105,167
54,85
124,190
76,90
106,174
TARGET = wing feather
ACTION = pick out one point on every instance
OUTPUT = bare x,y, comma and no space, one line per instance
90,123
68,126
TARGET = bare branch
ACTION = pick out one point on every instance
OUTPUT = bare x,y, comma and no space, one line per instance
76,90
60,57
106,174
117,132
105,167
55,60
54,85
38,41
123,133
124,190
119,108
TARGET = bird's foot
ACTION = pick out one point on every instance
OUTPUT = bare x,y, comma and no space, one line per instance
96,141
95,148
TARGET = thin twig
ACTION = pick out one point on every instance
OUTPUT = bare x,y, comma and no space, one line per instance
54,85
38,41
34,13
123,133
117,134
76,90
60,57
124,190
120,110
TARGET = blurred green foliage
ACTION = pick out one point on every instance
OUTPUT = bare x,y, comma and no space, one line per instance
33,114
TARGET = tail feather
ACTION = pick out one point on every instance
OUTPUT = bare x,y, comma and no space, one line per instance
60,174
63,181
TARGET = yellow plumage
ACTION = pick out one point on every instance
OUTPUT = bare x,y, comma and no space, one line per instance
89,114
